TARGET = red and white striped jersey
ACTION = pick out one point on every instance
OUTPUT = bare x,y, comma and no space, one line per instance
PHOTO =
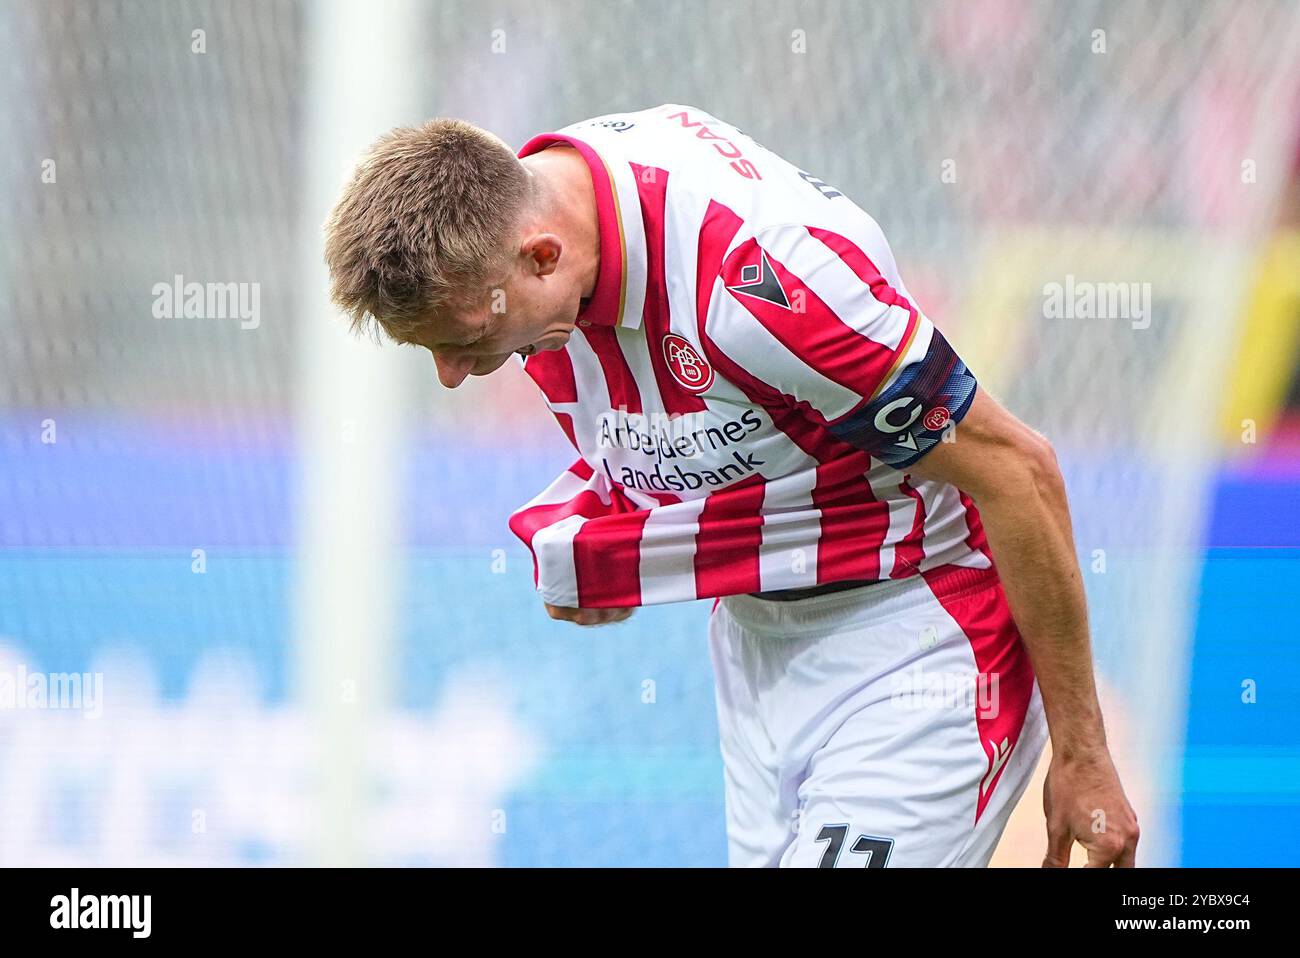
745,388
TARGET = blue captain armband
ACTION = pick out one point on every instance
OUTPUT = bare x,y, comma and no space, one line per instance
903,423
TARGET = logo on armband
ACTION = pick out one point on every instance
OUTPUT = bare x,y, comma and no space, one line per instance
936,418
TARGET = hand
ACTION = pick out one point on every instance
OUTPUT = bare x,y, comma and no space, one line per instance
587,616
1084,802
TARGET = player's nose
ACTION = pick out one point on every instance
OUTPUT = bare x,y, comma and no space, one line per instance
452,370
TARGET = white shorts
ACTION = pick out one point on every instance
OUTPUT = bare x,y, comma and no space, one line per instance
894,725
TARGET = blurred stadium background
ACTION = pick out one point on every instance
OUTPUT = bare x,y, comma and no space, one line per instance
286,553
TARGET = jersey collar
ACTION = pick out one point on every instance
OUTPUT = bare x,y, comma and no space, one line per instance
619,297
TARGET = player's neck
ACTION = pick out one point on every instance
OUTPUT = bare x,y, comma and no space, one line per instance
571,208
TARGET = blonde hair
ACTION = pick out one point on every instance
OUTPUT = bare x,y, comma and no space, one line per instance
423,225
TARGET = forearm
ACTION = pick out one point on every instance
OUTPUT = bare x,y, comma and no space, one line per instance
1011,473
1030,537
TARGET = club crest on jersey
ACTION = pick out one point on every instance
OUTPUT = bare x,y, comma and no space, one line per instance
686,364
759,280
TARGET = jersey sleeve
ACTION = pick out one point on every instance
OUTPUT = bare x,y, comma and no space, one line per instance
821,320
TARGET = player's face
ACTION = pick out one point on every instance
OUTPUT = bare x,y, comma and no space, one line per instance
531,313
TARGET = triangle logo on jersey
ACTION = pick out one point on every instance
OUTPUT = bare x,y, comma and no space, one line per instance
759,280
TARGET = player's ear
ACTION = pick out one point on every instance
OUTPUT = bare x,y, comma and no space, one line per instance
542,253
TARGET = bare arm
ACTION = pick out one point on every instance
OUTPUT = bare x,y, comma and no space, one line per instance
1012,474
